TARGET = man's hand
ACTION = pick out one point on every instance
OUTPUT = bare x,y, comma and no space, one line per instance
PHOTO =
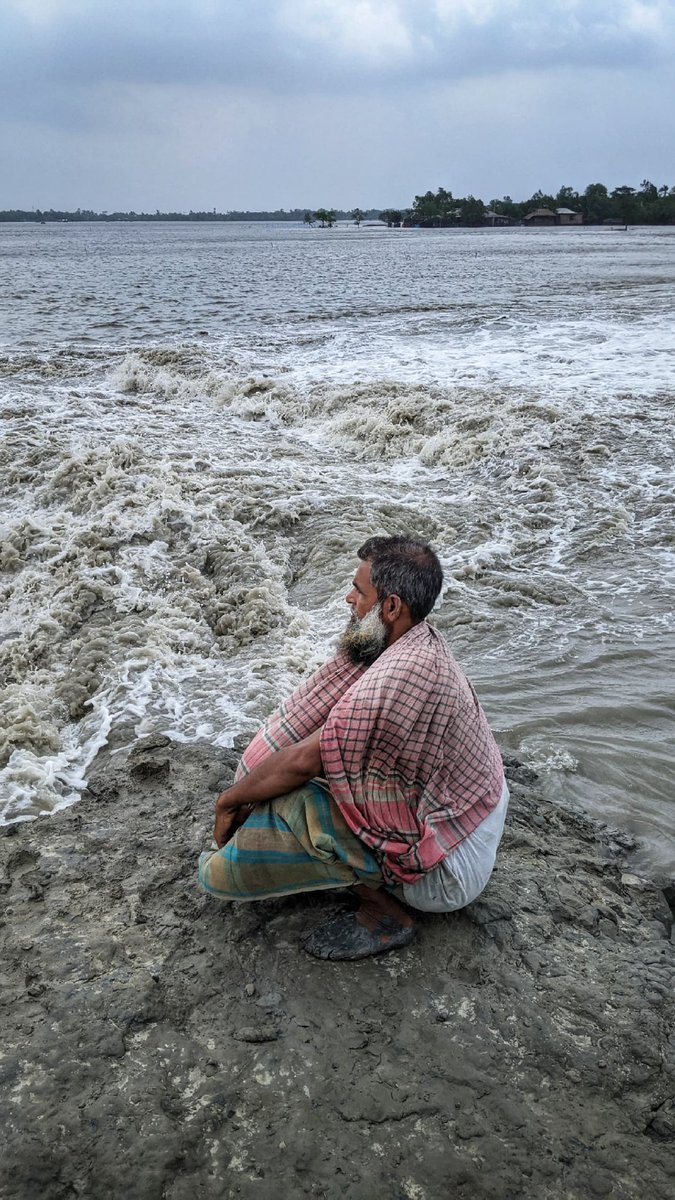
277,775
228,819
226,823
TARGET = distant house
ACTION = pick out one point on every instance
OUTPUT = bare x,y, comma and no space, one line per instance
541,216
567,216
492,218
547,216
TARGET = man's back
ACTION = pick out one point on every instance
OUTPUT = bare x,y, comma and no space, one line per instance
409,755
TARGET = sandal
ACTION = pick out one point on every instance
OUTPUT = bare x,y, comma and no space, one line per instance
343,937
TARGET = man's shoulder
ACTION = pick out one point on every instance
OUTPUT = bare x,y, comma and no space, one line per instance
420,653
338,673
421,643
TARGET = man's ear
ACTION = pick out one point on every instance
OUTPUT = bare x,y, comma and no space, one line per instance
392,608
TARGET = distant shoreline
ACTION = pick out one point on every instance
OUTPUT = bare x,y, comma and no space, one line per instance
371,224
650,205
82,216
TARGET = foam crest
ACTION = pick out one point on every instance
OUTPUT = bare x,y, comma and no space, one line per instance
141,585
34,782
179,517
25,724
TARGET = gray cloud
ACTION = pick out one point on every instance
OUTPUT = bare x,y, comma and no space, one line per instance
323,45
171,103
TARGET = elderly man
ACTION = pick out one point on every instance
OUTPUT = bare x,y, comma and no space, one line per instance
378,774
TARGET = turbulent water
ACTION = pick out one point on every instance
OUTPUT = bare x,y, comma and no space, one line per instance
202,423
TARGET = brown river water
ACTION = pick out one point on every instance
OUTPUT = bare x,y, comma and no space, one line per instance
201,423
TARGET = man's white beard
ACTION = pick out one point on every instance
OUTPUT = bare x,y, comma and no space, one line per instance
364,640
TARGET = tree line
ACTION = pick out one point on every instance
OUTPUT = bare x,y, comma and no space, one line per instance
647,205
326,216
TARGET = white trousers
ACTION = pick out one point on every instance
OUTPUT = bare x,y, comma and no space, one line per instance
460,877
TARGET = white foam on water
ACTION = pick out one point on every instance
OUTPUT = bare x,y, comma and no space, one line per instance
179,519
31,783
607,356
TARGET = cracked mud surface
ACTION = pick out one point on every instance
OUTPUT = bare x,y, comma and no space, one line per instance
160,1045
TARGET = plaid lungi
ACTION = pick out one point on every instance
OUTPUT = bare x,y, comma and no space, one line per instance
297,843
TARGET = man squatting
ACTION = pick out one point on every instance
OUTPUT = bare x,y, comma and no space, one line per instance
379,773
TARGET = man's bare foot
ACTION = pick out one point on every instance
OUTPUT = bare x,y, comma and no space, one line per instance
375,904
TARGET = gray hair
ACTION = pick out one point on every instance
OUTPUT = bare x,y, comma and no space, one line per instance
406,567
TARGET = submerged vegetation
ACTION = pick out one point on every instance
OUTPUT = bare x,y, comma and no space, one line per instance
646,205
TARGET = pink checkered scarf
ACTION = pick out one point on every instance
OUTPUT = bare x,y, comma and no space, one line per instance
406,750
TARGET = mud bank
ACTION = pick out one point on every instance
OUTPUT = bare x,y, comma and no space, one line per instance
158,1045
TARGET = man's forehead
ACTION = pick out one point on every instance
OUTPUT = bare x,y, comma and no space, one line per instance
362,575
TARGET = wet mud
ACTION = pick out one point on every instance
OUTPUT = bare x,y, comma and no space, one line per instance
160,1045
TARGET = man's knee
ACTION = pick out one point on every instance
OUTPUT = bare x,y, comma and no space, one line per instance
214,875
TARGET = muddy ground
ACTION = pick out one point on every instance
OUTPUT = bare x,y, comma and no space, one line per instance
160,1045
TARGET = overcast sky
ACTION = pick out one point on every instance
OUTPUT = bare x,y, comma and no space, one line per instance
234,104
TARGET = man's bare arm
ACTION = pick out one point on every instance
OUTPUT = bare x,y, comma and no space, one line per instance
275,776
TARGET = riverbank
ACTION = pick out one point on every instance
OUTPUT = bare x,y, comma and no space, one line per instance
158,1045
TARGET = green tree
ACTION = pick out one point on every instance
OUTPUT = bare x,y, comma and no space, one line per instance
446,207
326,217
471,211
625,204
568,198
425,209
540,199
391,216
507,207
358,216
595,204
650,205
660,210
435,209
309,218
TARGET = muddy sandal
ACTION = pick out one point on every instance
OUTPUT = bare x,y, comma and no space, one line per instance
343,937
